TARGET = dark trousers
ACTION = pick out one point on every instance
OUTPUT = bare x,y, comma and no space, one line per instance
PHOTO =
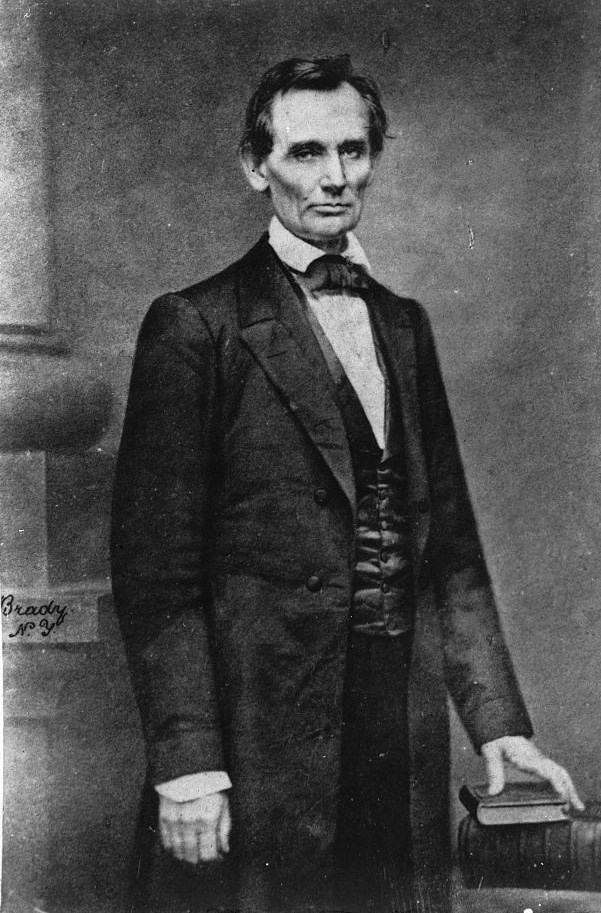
373,851
373,846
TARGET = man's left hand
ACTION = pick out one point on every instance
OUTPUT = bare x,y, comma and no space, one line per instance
524,755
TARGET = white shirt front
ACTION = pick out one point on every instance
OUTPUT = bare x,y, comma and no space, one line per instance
343,317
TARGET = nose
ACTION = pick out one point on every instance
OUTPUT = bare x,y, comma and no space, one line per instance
334,177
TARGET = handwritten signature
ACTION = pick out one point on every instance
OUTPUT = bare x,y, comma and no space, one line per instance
48,616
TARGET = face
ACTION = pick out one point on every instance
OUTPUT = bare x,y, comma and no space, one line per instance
320,165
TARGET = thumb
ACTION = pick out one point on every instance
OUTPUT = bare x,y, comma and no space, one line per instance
224,827
495,770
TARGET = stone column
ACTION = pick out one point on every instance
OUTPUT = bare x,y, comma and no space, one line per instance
53,409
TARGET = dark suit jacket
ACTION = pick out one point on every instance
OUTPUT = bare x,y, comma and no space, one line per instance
237,655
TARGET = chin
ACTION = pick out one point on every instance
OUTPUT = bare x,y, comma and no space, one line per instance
332,227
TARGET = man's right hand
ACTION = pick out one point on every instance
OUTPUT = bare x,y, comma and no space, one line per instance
198,830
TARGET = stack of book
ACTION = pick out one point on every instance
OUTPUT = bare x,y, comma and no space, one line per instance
524,837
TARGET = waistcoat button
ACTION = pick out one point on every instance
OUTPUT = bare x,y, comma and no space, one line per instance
314,583
321,496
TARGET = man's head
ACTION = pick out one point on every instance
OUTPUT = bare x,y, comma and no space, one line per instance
313,132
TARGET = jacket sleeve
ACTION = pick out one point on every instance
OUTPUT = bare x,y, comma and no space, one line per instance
161,526
478,668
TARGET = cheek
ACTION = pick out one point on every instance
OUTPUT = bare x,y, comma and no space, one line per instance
301,190
361,179
292,188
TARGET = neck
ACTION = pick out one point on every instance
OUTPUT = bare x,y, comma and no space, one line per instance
335,246
328,245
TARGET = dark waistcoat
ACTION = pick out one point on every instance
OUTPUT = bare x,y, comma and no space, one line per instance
383,596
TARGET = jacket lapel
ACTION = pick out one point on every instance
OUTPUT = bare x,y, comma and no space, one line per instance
277,333
396,337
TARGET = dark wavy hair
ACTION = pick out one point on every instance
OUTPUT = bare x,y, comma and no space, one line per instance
321,73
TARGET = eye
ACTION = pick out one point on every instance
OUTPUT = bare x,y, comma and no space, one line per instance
303,154
353,151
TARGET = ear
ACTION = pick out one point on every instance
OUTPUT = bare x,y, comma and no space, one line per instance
254,171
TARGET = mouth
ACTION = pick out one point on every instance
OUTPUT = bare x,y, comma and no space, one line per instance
331,208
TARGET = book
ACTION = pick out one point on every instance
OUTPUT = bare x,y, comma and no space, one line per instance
532,802
561,855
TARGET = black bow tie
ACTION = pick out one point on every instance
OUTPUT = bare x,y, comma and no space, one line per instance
335,272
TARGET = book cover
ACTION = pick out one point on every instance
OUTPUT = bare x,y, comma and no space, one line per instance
530,802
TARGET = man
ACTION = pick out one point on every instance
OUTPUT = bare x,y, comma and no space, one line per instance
296,564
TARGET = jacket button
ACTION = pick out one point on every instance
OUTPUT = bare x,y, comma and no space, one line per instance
423,505
314,583
321,496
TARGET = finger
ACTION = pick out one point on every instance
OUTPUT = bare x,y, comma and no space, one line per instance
575,800
572,793
207,845
177,845
184,841
166,833
224,828
562,783
189,844
495,771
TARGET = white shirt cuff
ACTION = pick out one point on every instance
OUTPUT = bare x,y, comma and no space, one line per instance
194,786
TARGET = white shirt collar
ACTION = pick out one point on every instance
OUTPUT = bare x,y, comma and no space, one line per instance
299,254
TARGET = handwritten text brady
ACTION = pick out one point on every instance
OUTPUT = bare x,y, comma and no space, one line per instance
45,617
